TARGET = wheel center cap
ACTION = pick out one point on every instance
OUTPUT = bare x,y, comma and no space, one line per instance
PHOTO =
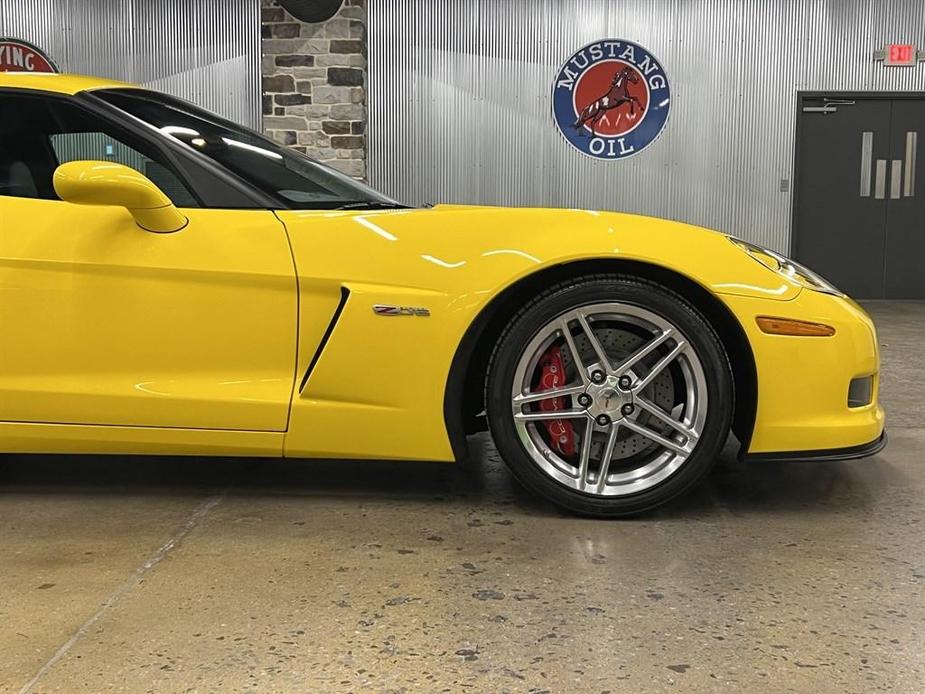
607,398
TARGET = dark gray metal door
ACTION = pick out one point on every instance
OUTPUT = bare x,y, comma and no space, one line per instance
859,219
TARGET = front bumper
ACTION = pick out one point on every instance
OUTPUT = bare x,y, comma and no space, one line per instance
803,382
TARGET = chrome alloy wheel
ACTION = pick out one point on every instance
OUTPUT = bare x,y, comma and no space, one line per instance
634,393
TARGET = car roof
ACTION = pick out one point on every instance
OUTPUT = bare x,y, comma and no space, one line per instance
54,82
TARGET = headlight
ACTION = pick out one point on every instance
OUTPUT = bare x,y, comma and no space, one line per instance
787,267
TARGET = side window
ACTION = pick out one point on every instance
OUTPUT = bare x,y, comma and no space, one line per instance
37,134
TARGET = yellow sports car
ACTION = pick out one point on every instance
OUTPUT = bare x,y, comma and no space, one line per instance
173,283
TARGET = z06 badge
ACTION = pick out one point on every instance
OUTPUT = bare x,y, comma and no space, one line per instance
389,310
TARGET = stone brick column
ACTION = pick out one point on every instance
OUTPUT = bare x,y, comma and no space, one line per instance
314,84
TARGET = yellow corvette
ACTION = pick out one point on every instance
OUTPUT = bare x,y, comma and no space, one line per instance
173,283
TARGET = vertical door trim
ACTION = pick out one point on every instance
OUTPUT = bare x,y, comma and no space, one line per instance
896,174
867,151
912,141
880,183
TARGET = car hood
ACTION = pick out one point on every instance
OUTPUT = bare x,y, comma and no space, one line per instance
489,247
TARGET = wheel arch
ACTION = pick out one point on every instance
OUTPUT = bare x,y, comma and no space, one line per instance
464,398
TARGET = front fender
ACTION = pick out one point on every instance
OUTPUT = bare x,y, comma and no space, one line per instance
386,375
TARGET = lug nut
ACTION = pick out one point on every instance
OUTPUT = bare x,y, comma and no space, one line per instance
627,409
584,399
625,382
603,420
598,376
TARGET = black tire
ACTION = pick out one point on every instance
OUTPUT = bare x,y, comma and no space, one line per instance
594,289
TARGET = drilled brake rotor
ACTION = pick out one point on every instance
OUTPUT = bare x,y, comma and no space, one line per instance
619,344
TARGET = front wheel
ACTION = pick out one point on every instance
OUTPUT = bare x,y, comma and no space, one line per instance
609,395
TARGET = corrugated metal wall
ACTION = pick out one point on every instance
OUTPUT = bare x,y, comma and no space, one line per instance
460,100
207,51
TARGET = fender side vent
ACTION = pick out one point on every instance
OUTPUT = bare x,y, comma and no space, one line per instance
344,294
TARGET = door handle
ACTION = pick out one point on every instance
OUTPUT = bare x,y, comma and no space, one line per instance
896,173
880,184
912,141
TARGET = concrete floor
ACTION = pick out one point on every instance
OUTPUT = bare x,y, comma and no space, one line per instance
172,575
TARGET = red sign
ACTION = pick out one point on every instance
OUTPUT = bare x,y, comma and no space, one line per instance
20,56
900,54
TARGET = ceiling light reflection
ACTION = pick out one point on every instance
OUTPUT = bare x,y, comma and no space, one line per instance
179,130
764,290
252,148
513,251
388,236
442,263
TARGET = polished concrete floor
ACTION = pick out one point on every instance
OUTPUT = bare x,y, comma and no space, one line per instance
181,575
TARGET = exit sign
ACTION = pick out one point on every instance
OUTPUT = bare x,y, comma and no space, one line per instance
902,54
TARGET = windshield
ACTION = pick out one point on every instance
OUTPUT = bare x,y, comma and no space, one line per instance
294,179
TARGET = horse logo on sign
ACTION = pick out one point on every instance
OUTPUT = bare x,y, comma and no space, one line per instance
611,99
21,56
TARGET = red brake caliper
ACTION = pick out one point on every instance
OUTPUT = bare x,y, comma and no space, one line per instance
561,432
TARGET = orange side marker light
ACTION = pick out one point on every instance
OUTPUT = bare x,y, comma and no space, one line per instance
789,326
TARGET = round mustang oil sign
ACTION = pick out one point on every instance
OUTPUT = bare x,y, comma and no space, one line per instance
21,56
611,99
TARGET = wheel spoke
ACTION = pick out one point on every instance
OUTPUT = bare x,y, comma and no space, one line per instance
663,416
605,459
594,342
658,438
585,458
644,351
555,414
576,355
660,366
524,398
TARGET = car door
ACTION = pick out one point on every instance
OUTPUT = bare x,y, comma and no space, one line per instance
104,323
